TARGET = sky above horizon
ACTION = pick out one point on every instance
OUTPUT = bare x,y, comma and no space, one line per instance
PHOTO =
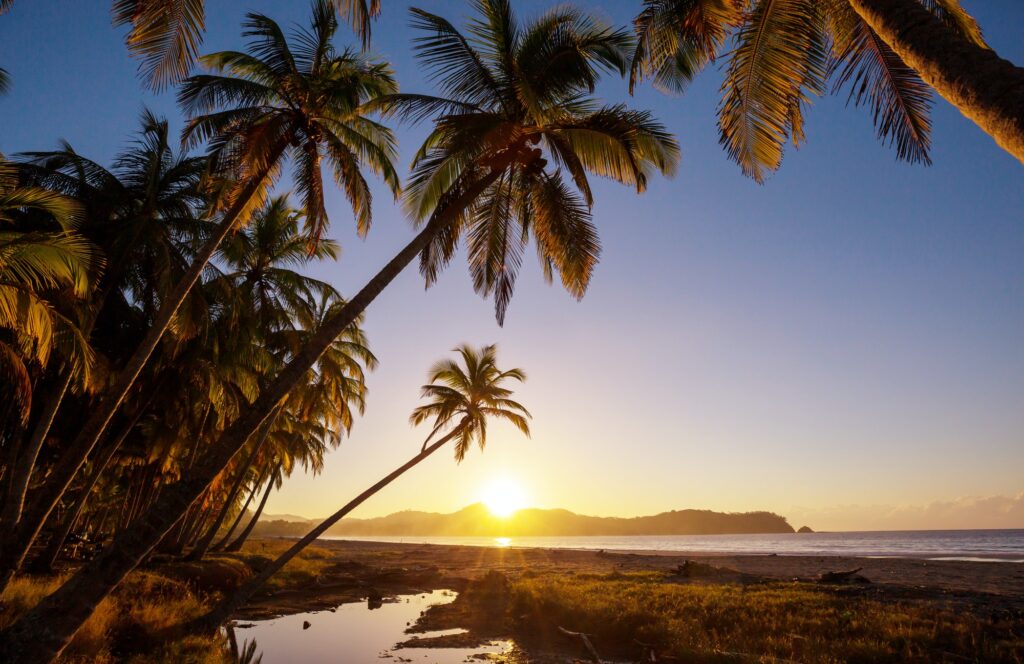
841,345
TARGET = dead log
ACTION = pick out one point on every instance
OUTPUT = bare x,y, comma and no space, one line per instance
585,640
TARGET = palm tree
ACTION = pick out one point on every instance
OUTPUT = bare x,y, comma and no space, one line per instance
520,92
788,50
35,263
34,260
166,34
142,213
303,102
984,87
463,397
260,263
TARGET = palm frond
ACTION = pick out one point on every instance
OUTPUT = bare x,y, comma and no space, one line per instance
780,56
359,14
676,39
899,100
164,34
957,19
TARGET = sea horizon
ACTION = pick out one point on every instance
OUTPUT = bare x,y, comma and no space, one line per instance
985,545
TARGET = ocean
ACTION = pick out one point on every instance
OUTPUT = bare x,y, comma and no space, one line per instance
982,545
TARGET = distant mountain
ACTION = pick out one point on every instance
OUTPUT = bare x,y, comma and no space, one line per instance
287,517
477,520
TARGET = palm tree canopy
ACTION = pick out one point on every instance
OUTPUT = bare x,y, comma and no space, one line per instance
37,265
301,95
514,97
467,394
782,53
166,34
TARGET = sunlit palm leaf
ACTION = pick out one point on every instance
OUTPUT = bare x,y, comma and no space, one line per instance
164,34
677,38
359,14
780,56
899,100
953,15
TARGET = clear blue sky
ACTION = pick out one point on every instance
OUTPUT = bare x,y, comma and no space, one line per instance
838,343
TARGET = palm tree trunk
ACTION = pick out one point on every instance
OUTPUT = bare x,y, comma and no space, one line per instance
984,87
13,555
244,535
25,463
40,635
44,563
223,611
204,544
238,519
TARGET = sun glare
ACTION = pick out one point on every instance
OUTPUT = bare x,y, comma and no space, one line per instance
504,498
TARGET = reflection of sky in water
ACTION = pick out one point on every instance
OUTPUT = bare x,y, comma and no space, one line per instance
354,634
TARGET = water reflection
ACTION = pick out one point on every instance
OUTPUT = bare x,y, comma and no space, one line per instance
353,634
502,542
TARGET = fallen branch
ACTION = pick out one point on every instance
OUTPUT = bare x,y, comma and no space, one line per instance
585,639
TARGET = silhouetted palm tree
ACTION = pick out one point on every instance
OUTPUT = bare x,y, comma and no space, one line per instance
521,91
279,100
463,397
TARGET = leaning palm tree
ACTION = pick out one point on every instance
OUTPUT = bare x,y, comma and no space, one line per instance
890,55
463,397
143,213
300,100
37,262
513,93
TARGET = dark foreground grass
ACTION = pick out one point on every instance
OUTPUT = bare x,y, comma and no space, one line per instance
133,624
728,622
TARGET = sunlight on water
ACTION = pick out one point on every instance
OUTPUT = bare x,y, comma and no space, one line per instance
502,542
354,634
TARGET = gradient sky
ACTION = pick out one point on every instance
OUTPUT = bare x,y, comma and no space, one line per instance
841,345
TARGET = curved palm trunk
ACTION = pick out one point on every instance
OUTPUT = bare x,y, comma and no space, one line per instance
204,544
223,611
44,563
40,635
984,87
238,519
240,540
25,462
13,553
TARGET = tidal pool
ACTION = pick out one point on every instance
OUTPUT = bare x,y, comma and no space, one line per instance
354,633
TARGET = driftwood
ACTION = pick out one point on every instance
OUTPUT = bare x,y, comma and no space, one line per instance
848,576
650,654
585,640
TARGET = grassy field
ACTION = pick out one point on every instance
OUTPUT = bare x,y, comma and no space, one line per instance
801,622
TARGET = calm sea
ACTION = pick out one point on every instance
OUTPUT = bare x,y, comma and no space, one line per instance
994,545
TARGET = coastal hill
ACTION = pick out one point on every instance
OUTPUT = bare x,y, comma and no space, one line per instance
477,520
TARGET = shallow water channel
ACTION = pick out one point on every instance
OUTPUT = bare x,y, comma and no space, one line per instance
354,633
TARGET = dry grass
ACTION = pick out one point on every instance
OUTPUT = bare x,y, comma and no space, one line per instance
91,643
300,571
801,622
128,622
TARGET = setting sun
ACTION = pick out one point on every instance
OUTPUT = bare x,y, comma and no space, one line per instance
504,498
